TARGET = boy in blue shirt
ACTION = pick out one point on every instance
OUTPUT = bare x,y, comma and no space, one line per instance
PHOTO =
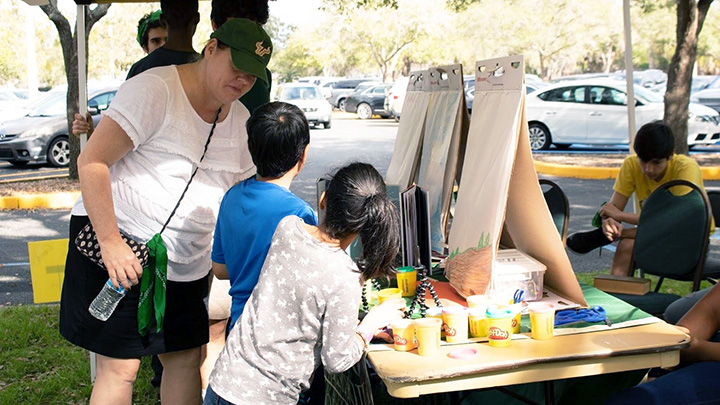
278,138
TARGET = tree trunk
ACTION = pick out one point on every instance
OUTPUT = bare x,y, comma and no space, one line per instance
68,43
690,18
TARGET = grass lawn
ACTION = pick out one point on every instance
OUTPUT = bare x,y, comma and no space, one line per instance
38,366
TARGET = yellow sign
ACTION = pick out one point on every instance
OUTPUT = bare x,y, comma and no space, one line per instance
47,268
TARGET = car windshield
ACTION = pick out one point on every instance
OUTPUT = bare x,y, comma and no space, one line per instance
301,93
363,86
50,106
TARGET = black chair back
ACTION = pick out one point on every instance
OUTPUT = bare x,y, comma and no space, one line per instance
558,205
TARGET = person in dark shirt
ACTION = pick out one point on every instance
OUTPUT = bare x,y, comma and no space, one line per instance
181,18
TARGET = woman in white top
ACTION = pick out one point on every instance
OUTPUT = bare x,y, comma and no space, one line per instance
132,173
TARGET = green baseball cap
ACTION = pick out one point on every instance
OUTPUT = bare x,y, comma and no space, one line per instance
249,44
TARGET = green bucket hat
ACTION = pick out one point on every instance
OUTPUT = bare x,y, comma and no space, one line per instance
249,44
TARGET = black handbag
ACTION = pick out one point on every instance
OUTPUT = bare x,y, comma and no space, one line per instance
86,242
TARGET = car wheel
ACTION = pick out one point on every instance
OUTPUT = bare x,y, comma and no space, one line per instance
18,163
397,118
58,153
563,146
364,111
341,104
539,137
326,125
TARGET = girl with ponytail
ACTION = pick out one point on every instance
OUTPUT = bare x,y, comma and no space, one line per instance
303,311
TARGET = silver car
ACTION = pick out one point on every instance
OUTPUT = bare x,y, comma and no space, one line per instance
308,98
42,134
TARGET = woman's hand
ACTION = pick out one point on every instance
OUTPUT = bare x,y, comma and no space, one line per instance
82,125
122,265
382,315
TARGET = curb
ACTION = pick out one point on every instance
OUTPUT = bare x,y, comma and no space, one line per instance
67,200
33,201
589,172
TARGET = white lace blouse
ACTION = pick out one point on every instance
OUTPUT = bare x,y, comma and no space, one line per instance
168,138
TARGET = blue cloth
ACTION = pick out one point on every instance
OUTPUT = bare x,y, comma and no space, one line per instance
694,384
248,216
211,398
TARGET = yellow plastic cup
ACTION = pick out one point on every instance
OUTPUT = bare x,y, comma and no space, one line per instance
436,312
407,280
542,320
403,335
455,323
515,310
499,327
478,322
427,331
482,301
387,293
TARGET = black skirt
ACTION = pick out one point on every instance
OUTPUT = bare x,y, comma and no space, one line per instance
186,318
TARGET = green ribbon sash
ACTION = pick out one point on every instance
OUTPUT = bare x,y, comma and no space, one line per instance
153,286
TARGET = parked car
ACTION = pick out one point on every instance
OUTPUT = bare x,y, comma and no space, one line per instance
368,102
42,134
343,88
595,112
651,79
396,97
309,99
11,105
529,88
709,95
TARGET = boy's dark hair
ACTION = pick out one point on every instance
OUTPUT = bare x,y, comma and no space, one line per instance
255,10
277,136
653,141
148,26
178,13
356,202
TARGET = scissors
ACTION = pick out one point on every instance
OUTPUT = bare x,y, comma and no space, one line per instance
594,314
518,296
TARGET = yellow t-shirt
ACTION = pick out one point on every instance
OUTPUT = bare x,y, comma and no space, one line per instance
632,180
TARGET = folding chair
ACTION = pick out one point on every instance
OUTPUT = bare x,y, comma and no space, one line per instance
671,242
558,205
351,387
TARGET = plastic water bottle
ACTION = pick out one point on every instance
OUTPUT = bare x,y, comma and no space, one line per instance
105,303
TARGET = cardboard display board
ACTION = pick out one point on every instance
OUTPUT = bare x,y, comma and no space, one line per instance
443,136
499,186
47,269
405,158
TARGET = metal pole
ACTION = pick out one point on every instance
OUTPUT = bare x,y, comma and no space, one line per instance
629,74
82,105
81,62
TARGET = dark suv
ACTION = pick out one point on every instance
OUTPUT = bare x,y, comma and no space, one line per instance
342,88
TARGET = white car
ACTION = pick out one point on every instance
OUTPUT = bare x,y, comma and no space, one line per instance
396,97
595,112
309,99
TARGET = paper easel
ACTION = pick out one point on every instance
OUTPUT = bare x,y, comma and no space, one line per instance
406,153
47,269
430,141
446,126
499,194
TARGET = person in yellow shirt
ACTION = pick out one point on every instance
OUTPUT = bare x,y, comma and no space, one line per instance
654,164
